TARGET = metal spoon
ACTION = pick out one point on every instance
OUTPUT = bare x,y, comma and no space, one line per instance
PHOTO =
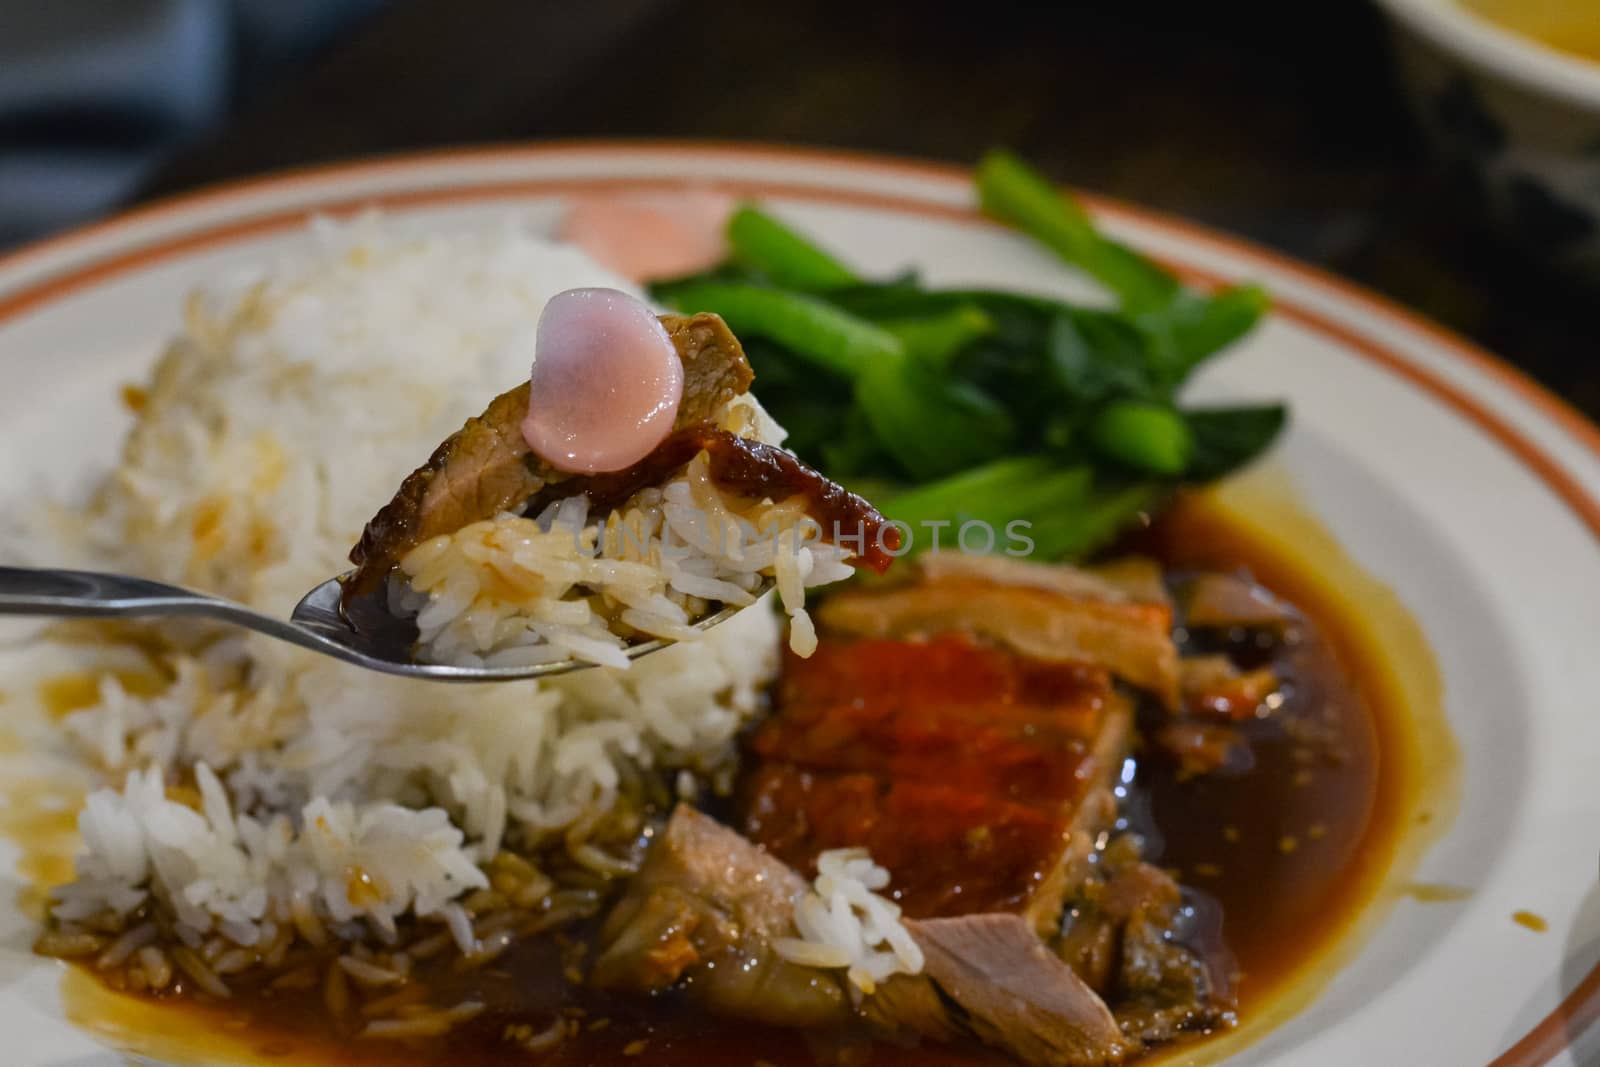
317,622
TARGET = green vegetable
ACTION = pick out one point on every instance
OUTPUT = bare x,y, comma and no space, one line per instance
994,493
817,331
931,424
1092,355
982,404
1058,509
763,244
1013,192
940,337
1194,327
1226,438
1093,521
1146,437
849,447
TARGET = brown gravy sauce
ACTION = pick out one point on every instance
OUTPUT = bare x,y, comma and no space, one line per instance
1289,950
1302,865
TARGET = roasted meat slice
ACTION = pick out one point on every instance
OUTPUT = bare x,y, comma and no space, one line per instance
1214,600
487,467
1014,994
938,727
1212,686
1060,615
701,915
703,911
946,712
1201,748
1126,578
979,778
950,851
1135,940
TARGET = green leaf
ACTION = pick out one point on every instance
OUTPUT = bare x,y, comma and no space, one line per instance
811,328
997,493
1094,355
937,339
1059,509
1015,193
930,424
999,406
1149,438
1094,522
1226,438
1018,318
803,399
1195,327
665,290
761,243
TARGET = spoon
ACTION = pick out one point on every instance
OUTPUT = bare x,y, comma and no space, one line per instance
317,623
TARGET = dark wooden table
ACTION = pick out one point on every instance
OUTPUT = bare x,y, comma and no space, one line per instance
1279,121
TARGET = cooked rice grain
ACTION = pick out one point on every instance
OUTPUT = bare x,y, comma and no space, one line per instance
845,925
566,584
244,786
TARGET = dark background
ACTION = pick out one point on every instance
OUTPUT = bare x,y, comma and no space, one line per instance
1279,121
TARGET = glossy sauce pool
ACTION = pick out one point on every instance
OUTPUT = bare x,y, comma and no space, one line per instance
1290,847
1296,851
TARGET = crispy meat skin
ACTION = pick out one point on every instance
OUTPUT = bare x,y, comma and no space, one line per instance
944,668
947,712
977,777
1132,639
486,467
950,851
1127,578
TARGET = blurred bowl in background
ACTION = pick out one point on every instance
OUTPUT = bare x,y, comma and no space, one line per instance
1509,92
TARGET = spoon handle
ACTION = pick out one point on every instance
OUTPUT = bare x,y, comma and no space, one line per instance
26,591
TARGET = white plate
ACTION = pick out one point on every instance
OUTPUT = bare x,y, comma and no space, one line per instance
1468,490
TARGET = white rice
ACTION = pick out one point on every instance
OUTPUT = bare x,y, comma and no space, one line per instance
845,925
286,411
514,590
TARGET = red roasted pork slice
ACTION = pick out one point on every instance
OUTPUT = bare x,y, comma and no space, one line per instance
978,777
951,851
947,667
945,712
1055,619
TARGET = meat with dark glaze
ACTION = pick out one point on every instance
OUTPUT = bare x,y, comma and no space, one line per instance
487,467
